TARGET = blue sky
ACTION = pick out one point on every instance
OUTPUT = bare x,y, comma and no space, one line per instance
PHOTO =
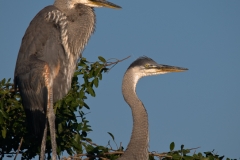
200,107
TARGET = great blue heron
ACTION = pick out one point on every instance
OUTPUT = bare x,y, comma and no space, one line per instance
47,58
143,66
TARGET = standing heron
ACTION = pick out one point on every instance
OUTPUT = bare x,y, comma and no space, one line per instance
47,59
137,148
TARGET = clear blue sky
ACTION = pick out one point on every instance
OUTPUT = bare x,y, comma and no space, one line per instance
200,107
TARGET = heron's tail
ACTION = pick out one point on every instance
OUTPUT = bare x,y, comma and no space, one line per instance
35,105
36,120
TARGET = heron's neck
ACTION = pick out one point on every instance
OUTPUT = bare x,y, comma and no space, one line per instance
78,27
138,145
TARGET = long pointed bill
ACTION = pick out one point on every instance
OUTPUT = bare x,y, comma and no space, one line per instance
167,68
104,3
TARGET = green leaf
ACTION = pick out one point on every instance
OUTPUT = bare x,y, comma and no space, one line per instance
221,157
1,120
200,154
77,138
102,148
188,158
89,148
97,71
77,73
172,146
176,156
69,151
111,135
95,82
185,151
81,95
4,132
102,59
85,105
9,79
91,91
3,81
182,147
208,153
60,128
3,114
100,76
151,157
84,134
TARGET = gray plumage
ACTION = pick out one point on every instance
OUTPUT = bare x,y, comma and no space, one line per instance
47,59
137,148
42,51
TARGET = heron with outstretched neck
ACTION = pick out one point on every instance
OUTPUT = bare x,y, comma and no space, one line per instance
47,59
137,148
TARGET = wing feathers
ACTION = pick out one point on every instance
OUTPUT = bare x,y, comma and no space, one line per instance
33,88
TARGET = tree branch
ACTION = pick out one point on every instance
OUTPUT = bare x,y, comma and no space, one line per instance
19,147
116,152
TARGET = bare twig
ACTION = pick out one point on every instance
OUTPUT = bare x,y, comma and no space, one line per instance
19,147
94,144
115,62
160,155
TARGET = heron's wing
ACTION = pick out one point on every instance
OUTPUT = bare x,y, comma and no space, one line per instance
36,67
34,93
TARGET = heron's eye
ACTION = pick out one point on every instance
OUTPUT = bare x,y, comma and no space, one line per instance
147,65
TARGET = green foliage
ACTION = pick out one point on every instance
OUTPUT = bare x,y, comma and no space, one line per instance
12,121
71,124
184,154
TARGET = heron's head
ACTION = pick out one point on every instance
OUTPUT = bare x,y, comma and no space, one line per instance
145,66
93,3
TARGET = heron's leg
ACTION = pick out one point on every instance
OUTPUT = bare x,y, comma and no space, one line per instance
51,120
43,145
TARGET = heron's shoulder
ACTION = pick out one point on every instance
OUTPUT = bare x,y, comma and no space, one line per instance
48,9
41,20
42,14
39,35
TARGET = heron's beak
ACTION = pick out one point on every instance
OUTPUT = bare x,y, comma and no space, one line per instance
167,68
104,3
